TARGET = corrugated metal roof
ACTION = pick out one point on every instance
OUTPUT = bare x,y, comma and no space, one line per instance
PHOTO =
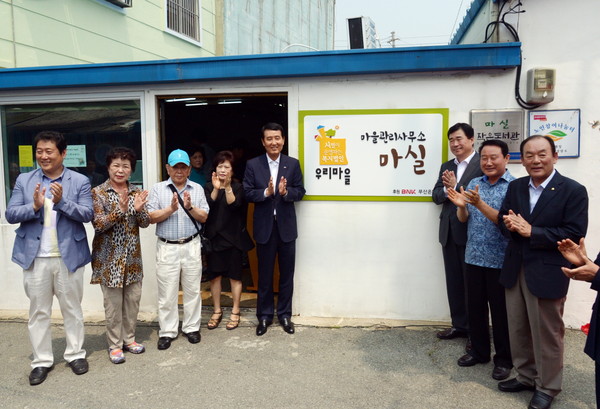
466,23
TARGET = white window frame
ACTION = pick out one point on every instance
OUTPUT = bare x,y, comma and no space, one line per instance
179,34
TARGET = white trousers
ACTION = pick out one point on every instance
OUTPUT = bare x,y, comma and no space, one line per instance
175,262
47,277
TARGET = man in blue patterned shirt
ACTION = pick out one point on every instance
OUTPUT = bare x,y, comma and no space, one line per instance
478,206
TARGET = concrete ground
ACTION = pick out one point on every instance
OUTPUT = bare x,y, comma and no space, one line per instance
325,364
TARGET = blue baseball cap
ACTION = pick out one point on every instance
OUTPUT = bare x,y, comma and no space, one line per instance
178,156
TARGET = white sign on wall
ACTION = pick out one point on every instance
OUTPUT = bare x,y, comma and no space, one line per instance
562,125
504,124
381,155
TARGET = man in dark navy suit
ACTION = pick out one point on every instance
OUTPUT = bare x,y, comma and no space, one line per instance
585,270
273,182
537,212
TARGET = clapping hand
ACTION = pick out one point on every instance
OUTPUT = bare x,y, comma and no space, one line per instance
516,223
187,200
270,187
227,182
576,254
57,191
39,196
140,200
449,179
457,198
282,187
174,202
472,195
573,253
216,182
124,201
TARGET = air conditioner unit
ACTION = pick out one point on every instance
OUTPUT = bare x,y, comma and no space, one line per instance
121,3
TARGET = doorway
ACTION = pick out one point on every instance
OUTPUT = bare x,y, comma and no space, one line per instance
222,122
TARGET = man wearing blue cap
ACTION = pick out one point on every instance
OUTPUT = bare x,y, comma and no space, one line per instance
178,206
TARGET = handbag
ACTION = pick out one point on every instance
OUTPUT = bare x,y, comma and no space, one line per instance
204,241
206,244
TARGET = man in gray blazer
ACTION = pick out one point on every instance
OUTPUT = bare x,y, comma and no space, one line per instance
51,203
456,173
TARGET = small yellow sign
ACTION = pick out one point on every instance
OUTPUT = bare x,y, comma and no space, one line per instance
332,151
25,156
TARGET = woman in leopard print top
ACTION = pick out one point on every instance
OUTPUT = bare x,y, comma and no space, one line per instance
119,212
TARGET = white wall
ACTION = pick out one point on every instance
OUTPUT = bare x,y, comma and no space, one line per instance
574,53
383,259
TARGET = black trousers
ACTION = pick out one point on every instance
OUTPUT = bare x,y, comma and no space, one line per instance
483,289
454,264
597,384
266,253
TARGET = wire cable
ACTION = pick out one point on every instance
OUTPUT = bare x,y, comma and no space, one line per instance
501,20
456,19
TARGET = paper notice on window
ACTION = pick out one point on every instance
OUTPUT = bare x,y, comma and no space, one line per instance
25,156
75,157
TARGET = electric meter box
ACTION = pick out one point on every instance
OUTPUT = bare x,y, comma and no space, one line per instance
540,85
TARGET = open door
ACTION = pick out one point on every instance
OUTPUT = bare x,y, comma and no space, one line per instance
222,122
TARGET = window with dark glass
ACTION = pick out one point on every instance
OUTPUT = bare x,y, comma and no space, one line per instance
121,3
91,130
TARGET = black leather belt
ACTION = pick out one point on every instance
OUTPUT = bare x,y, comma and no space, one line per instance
180,241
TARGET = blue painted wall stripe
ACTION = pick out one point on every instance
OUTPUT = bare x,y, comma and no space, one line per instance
324,63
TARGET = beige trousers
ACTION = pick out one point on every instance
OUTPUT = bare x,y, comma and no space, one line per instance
121,306
47,277
537,332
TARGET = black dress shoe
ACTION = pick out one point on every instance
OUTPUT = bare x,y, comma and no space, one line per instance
540,401
288,325
79,366
261,328
193,337
451,333
500,372
469,360
512,385
164,342
39,374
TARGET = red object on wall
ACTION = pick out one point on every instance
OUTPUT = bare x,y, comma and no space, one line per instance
585,328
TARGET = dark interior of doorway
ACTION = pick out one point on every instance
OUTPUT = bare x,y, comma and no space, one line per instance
221,122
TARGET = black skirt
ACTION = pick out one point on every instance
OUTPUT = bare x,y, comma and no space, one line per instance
226,263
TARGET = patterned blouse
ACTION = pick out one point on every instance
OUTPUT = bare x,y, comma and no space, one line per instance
116,253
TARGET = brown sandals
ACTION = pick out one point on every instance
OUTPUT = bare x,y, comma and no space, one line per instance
233,324
214,322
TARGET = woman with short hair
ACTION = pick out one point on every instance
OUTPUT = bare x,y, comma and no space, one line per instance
119,212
